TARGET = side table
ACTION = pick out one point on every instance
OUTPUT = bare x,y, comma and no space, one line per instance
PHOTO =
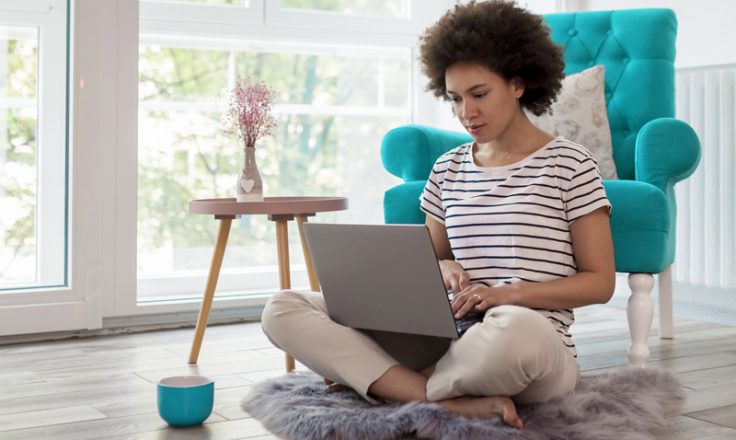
279,210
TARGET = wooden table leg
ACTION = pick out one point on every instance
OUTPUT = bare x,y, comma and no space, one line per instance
282,246
209,291
313,281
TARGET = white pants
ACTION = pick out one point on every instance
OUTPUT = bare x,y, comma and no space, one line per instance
514,352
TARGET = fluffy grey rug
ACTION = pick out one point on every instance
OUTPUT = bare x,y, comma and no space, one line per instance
627,404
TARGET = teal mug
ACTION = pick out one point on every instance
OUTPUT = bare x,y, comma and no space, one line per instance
185,400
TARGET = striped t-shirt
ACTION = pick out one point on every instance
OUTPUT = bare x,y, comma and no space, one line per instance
512,223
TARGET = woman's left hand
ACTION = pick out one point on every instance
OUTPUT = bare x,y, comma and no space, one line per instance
476,298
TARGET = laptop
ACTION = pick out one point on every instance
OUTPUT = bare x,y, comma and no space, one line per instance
383,278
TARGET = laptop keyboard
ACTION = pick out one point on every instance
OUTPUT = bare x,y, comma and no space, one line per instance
467,321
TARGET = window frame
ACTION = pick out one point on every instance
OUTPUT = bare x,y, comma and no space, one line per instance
76,304
276,15
51,144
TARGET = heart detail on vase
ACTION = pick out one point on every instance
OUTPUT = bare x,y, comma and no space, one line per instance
247,185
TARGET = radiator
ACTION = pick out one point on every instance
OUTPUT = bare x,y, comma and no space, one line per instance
706,202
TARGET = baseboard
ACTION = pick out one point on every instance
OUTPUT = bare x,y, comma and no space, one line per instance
144,323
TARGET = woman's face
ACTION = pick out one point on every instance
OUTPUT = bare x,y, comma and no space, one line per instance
483,101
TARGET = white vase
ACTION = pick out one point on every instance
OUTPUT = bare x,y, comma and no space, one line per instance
250,185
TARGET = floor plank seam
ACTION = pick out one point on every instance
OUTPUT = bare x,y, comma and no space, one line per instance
688,415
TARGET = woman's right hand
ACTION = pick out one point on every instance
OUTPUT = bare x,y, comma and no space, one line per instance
454,275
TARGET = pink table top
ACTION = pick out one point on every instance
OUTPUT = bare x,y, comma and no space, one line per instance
306,205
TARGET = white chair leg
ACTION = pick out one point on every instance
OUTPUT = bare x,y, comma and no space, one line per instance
665,303
640,311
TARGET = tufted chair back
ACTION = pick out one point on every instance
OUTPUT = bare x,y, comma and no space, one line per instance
637,48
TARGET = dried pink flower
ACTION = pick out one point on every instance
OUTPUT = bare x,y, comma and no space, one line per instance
248,111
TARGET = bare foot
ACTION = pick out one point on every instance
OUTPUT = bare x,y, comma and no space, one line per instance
485,408
333,387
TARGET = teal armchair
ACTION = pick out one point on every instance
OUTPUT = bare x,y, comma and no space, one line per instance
652,150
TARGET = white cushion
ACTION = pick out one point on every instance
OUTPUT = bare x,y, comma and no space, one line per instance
579,114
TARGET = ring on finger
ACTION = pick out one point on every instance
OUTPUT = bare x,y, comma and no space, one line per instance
476,296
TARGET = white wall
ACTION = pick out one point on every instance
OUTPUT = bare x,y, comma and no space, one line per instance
705,27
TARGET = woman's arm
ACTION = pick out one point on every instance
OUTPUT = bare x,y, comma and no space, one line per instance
453,274
594,283
440,242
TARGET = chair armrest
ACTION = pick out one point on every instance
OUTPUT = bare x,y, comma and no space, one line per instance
667,151
409,151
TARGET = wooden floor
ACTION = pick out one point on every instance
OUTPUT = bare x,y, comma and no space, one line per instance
103,387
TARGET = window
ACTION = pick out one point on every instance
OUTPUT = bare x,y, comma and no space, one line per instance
542,6
18,173
335,102
51,272
333,107
387,8
32,149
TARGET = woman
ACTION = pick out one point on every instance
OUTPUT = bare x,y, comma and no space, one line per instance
518,218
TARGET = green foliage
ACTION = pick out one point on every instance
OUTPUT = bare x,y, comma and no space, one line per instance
22,59
184,155
181,74
18,148
20,143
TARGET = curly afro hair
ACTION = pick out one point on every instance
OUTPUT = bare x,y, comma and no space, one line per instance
501,36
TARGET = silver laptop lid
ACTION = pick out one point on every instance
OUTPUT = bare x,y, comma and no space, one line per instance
381,277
